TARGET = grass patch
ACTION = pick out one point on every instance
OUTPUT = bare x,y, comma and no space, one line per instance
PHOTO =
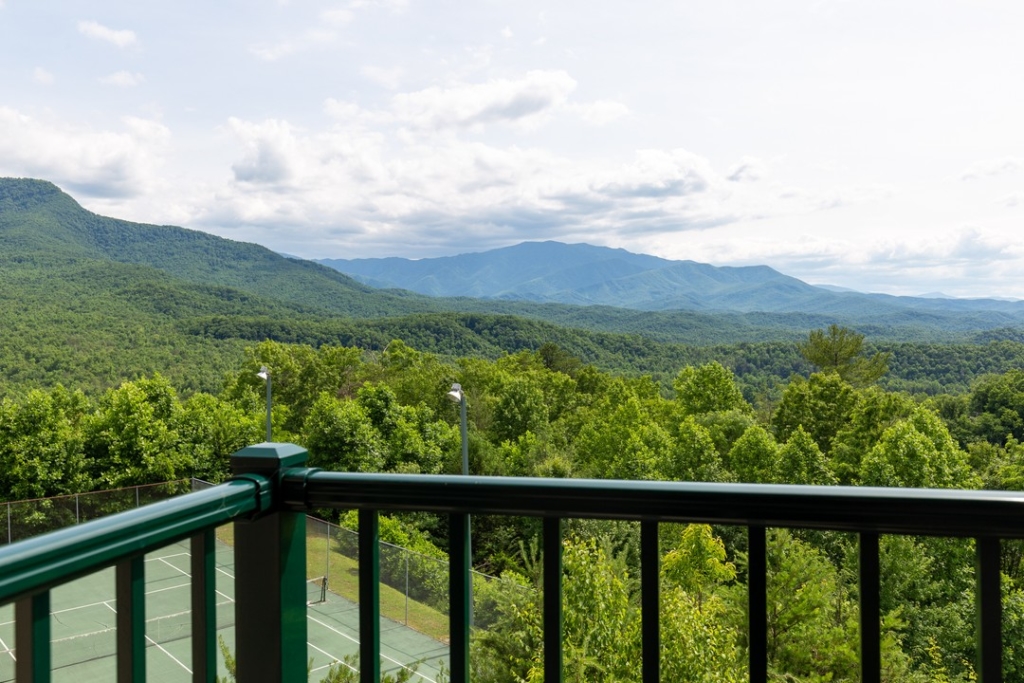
344,581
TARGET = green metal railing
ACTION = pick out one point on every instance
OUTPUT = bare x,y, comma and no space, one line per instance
987,516
271,491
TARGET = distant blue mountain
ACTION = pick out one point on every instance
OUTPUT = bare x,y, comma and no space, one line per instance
552,272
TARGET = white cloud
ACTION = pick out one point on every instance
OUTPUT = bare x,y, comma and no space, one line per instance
312,38
272,53
387,78
601,112
41,75
270,151
525,101
123,79
992,167
96,30
338,16
748,169
99,163
506,33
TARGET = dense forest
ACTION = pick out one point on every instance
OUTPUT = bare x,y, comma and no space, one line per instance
838,417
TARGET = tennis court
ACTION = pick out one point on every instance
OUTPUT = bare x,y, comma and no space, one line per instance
83,626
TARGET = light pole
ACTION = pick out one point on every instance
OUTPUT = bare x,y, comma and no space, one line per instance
264,374
457,395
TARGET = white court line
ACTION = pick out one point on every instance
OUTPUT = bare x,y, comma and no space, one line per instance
161,648
164,557
336,660
227,597
383,656
9,651
104,602
150,640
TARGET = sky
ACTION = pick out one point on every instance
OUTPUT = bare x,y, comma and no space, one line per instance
875,145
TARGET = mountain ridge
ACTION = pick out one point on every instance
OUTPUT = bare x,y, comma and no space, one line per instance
584,274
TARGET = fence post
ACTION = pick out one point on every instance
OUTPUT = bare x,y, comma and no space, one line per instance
270,575
406,586
78,514
9,531
327,572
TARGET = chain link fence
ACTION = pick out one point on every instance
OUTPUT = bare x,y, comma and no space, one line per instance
28,518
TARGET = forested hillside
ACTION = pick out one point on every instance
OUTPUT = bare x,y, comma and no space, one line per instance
547,413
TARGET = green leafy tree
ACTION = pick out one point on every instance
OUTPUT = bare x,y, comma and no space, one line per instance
707,388
694,456
519,408
801,461
340,436
131,439
840,349
820,405
623,442
697,563
997,406
42,445
755,457
209,430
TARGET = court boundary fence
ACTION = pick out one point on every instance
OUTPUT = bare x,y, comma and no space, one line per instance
35,516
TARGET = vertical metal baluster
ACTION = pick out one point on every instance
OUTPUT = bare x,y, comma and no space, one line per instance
650,599
369,597
757,596
989,611
870,617
32,638
204,608
552,600
460,596
131,619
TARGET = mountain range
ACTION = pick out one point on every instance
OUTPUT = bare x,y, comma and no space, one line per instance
586,275
92,300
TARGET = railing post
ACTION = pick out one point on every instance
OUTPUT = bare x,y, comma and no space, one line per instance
552,600
989,611
32,638
757,600
461,596
870,624
270,575
369,596
131,619
650,601
204,608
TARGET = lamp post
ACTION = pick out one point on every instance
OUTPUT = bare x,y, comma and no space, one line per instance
264,374
458,396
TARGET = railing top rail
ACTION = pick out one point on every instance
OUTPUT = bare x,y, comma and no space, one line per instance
943,512
45,561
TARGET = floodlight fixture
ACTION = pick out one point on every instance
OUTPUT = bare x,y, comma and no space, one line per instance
264,374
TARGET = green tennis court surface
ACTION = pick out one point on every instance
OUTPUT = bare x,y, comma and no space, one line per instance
83,623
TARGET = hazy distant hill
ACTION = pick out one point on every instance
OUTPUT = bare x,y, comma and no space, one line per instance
587,275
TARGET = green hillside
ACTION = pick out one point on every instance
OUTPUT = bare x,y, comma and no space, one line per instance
91,301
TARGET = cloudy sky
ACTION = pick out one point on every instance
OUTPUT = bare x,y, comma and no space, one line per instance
877,145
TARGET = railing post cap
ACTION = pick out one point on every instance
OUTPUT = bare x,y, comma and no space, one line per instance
268,457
